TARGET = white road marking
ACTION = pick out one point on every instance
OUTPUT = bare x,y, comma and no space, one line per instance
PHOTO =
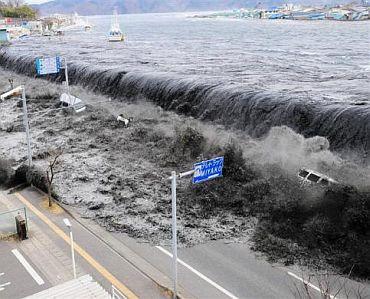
28,267
310,285
226,292
2,286
1,274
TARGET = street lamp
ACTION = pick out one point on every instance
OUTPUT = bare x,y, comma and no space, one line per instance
69,225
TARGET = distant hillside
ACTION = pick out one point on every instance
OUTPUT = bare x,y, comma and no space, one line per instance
101,7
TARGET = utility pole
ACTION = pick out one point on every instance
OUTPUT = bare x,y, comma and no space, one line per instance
26,125
67,82
174,233
66,75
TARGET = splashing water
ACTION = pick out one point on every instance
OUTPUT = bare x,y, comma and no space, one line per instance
252,75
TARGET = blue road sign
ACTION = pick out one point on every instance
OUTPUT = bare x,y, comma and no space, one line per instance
208,170
50,65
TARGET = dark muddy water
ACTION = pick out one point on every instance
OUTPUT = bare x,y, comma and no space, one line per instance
327,59
254,74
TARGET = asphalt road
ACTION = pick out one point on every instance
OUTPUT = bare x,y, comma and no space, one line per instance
238,270
93,256
15,281
219,270
230,270
213,270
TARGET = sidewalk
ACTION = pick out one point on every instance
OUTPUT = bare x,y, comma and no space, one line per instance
47,260
48,249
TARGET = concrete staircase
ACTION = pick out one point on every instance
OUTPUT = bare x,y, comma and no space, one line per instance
82,288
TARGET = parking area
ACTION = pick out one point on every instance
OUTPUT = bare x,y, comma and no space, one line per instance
19,277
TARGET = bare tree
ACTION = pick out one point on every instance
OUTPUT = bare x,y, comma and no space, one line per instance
52,170
329,286
14,3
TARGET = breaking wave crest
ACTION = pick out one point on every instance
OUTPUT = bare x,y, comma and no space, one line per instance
345,125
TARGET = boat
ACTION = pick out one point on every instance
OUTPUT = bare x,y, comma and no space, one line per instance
87,25
115,33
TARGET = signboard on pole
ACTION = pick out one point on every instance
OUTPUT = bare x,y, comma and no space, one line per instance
49,65
208,170
203,171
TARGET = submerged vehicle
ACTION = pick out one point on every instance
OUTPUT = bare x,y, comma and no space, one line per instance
67,100
309,177
115,33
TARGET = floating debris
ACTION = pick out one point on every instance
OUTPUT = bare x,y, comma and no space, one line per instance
309,177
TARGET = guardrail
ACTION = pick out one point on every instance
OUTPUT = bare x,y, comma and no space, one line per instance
8,223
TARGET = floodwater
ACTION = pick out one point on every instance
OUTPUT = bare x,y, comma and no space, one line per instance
327,59
318,70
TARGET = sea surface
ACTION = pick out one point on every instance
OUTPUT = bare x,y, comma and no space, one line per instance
313,76
324,59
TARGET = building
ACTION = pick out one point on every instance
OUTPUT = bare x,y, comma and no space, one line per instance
35,26
4,35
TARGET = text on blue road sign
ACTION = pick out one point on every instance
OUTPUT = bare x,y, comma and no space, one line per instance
207,170
49,65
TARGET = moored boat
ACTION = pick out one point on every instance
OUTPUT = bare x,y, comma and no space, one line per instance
115,33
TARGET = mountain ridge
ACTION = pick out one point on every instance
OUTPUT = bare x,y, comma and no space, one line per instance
105,7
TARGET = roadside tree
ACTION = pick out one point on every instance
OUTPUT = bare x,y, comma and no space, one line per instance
53,169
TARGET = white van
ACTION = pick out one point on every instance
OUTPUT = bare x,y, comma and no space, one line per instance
71,101
309,177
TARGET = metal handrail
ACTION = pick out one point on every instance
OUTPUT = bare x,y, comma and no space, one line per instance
17,210
117,294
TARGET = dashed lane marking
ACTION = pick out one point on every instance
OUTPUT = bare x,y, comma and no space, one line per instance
217,286
2,286
28,267
311,285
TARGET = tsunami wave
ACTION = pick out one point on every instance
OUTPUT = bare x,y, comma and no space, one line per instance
345,125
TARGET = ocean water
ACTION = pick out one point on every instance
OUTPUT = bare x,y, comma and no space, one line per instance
325,58
311,75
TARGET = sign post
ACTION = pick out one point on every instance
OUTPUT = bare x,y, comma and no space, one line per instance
203,171
53,65
66,75
27,127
